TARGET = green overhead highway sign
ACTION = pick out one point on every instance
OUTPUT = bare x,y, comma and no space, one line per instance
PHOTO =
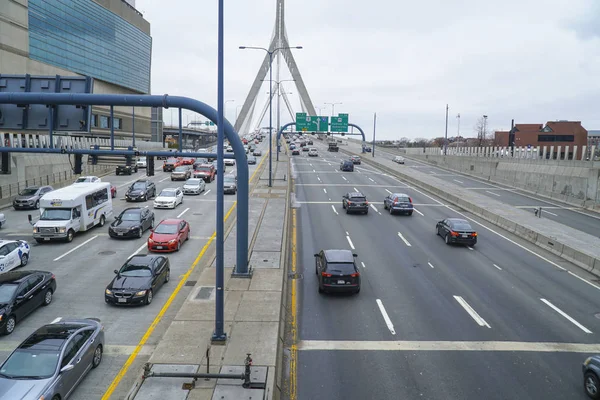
339,123
307,123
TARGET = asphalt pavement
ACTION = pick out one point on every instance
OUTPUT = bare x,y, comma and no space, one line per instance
503,319
566,214
85,266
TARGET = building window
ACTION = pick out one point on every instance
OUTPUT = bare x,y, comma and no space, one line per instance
104,122
95,120
556,138
118,123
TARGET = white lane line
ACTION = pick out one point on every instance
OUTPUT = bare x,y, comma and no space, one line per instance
480,321
388,191
314,170
329,198
373,207
548,212
584,280
495,194
386,318
164,179
127,183
310,164
470,248
497,267
430,264
355,189
325,190
403,239
564,314
344,178
319,179
333,208
418,212
350,241
347,233
205,193
183,212
72,250
363,265
329,163
138,250
456,180
371,180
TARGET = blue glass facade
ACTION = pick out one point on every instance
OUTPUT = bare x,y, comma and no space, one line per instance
84,37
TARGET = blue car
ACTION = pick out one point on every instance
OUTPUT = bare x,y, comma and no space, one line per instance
347,166
398,203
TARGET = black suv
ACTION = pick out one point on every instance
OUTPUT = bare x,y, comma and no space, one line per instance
355,202
132,222
347,165
337,271
126,169
141,190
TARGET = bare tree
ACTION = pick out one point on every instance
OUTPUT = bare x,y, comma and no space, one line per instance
480,129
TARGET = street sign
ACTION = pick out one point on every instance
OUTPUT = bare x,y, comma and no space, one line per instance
339,123
307,123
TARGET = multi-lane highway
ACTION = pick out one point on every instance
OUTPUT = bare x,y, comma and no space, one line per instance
566,214
432,321
85,266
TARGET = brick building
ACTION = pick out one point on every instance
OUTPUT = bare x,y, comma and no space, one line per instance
554,133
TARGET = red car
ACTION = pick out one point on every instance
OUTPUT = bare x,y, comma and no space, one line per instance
188,161
169,235
205,171
113,191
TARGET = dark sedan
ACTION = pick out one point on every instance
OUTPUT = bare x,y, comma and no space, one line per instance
398,203
456,230
141,190
126,169
21,293
347,166
229,184
53,360
138,279
132,222
355,202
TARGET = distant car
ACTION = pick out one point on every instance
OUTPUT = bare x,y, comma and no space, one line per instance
215,164
257,153
347,165
181,173
2,220
229,149
398,159
229,161
22,292
169,235
355,202
591,372
138,279
456,230
126,169
53,360
141,190
169,198
310,142
88,179
398,203
313,152
205,171
337,271
251,160
142,162
13,254
229,184
355,159
292,146
295,152
368,149
304,148
188,161
132,222
194,186
171,164
30,197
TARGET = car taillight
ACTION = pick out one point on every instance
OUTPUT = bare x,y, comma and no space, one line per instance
452,233
366,202
474,234
355,275
53,276
325,275
395,201
410,200
349,202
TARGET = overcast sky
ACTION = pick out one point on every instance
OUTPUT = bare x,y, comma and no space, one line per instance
531,60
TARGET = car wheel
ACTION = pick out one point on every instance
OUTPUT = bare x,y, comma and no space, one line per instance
24,260
141,232
410,213
149,297
384,205
70,235
320,289
11,322
152,224
37,204
347,211
187,237
102,221
437,231
168,276
357,291
366,211
97,356
447,239
39,240
391,211
47,297
343,205
178,246
56,398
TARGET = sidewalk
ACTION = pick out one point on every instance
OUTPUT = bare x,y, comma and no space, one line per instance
575,246
253,310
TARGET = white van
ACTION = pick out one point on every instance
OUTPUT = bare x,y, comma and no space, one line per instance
75,208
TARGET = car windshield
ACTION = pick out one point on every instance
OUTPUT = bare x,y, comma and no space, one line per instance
228,179
203,169
135,270
130,216
28,192
56,214
167,193
142,159
171,161
139,186
193,182
358,198
30,363
180,169
340,268
403,199
82,179
7,292
461,225
166,229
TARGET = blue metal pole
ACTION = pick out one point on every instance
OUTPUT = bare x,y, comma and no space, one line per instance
133,126
219,335
112,127
181,132
51,124
270,118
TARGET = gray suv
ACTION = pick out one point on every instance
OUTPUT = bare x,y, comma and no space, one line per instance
30,197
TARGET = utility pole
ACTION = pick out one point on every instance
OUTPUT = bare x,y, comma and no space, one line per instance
446,134
374,125
458,130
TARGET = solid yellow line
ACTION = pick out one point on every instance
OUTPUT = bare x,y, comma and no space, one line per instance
293,322
164,309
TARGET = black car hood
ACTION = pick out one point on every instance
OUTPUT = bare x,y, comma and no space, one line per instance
135,192
125,224
130,282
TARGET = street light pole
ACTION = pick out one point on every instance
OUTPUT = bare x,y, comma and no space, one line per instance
333,108
446,134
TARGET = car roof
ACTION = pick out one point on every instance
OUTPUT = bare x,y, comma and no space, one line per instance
171,221
17,276
168,188
142,180
356,194
341,256
346,161
52,337
133,209
4,241
205,165
400,195
459,220
143,258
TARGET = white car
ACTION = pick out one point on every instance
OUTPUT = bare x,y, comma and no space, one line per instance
169,198
313,152
142,163
229,149
229,161
13,254
88,179
2,220
399,159
194,186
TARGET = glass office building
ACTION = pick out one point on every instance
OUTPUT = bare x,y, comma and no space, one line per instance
84,37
